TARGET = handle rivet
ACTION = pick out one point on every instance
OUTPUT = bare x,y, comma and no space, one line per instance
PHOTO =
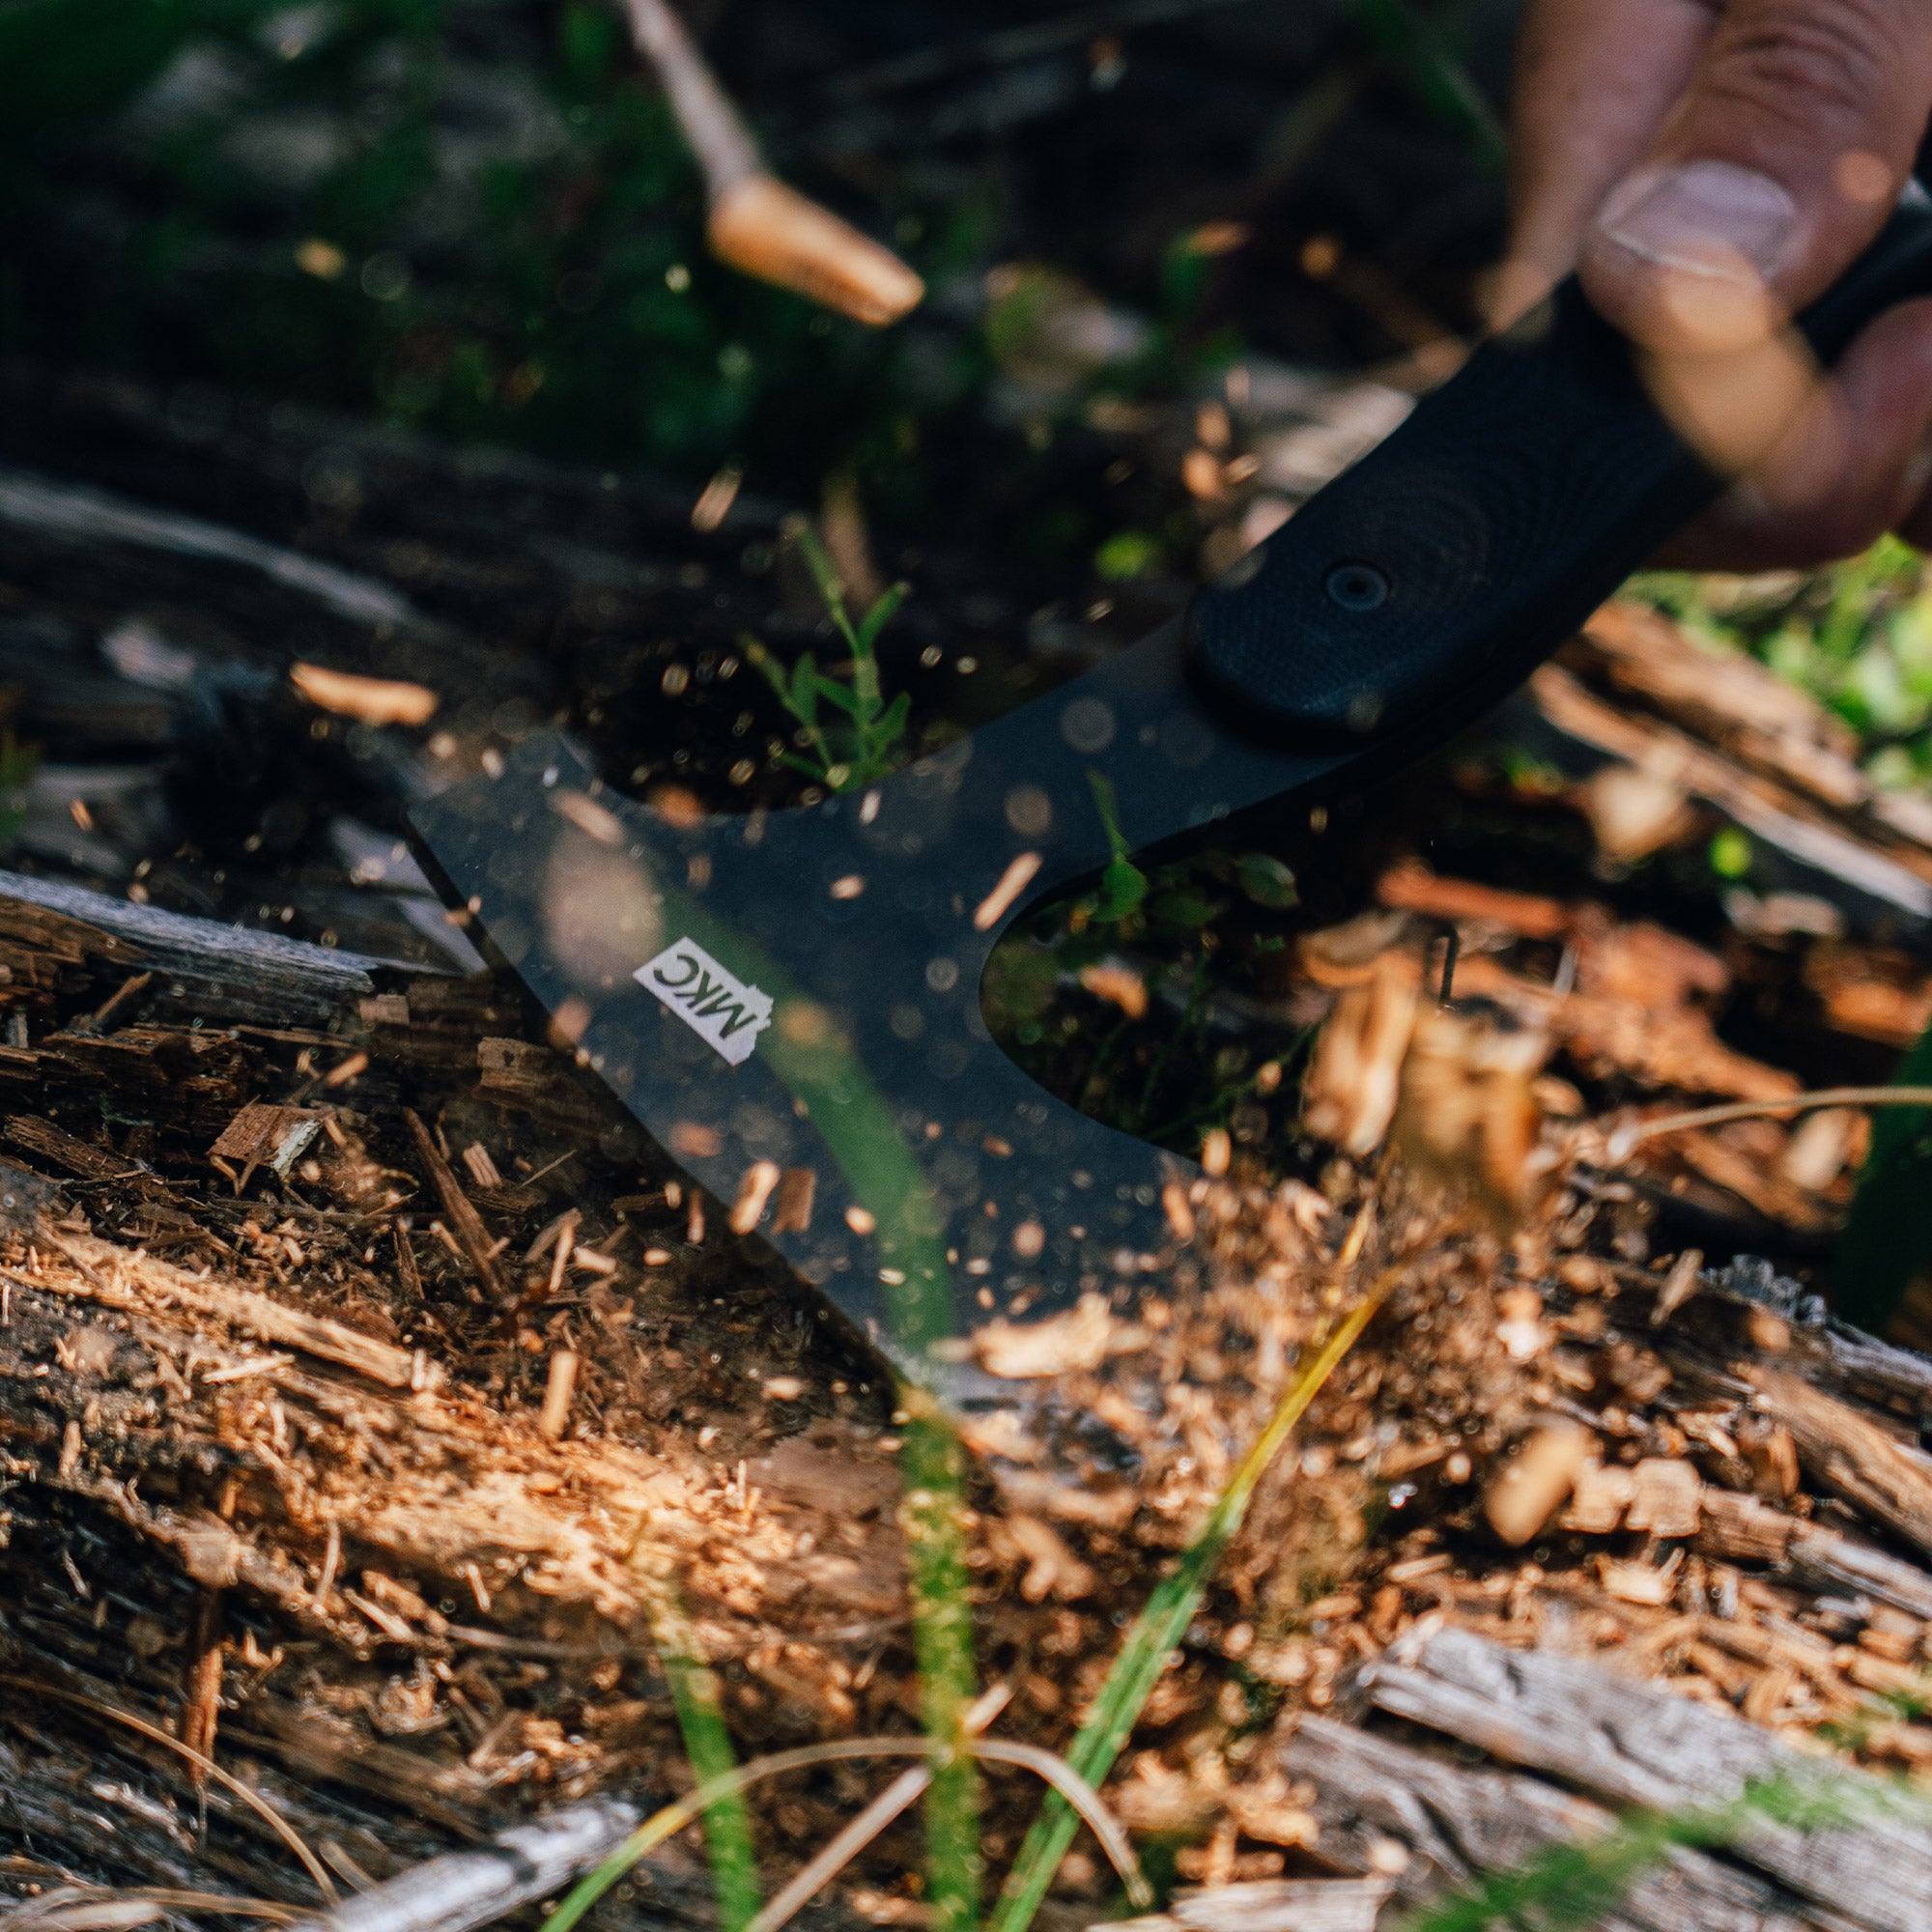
1357,586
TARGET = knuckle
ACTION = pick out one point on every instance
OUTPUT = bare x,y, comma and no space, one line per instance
1805,68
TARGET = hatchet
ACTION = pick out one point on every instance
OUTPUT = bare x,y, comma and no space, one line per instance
789,1000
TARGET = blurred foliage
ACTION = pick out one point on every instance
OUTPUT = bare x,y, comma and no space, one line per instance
60,58
1886,1240
1858,637
1108,997
372,202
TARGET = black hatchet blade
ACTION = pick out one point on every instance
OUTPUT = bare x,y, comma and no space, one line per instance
789,1001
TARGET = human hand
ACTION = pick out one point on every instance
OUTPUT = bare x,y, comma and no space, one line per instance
1708,168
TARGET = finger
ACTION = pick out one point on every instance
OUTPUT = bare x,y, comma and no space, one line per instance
1855,463
1594,82
1777,166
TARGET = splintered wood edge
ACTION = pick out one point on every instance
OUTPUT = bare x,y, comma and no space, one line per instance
241,1308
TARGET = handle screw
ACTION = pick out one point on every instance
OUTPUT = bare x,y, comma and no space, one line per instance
1357,586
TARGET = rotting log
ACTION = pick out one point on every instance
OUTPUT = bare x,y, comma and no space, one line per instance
1628,1744
1384,1805
205,972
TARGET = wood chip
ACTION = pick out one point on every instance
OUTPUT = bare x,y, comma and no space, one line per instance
471,1234
1665,1496
797,1187
1529,1487
1601,1494
559,1388
262,1134
1679,1286
482,1169
1025,1352
375,701
755,1190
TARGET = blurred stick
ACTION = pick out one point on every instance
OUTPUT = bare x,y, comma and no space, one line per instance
758,224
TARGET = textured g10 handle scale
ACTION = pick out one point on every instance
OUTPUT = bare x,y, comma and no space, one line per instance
1434,576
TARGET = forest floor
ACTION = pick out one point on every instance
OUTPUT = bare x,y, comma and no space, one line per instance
304,1228
366,1374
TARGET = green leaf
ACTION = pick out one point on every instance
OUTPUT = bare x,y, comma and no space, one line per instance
802,702
840,696
881,614
1126,555
886,731
1888,1236
866,686
1182,911
1123,887
1107,803
1266,881
825,581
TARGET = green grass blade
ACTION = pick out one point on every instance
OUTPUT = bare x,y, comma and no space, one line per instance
1887,1238
882,738
932,1517
707,1745
727,1826
827,581
1160,1627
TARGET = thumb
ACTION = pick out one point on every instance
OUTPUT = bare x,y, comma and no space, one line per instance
1779,164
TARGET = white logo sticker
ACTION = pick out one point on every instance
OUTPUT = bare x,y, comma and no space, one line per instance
725,1012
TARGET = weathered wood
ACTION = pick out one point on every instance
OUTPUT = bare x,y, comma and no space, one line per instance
1454,1824
1630,1743
120,1280
468,1888
1742,1529
204,971
1270,1904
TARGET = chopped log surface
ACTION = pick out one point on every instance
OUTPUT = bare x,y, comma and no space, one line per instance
1453,1823
208,972
1634,1745
285,1414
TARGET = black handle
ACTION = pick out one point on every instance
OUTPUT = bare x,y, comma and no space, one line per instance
1435,575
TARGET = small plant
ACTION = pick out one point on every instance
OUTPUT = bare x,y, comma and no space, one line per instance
1123,886
866,739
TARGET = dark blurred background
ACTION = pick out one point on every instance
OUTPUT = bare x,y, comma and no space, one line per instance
475,216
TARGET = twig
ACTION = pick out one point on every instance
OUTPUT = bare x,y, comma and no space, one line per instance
903,1792
254,1800
673,1818
469,1888
899,1797
34,1910
465,1221
1625,1139
758,224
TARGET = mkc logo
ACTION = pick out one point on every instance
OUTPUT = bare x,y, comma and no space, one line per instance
721,1010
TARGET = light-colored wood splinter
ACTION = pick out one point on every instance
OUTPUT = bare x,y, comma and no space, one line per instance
758,224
